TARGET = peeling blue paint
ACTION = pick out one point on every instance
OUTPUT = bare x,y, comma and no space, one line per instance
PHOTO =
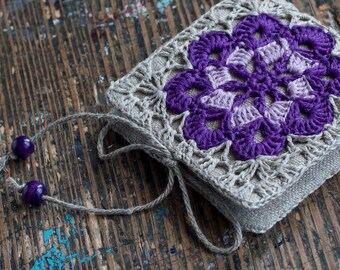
162,4
59,255
161,212
62,240
69,220
71,256
88,258
53,258
47,235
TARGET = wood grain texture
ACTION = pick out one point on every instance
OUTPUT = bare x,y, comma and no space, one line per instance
58,57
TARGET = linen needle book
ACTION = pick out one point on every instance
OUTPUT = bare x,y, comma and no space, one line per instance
247,101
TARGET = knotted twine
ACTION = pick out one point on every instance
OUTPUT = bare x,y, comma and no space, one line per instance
157,151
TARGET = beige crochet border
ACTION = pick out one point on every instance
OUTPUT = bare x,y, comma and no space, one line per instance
139,97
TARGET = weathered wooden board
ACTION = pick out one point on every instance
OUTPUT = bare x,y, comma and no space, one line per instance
58,57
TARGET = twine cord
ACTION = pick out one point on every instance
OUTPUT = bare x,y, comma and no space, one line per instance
162,154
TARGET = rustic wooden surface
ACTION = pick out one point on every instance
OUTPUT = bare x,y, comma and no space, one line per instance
58,57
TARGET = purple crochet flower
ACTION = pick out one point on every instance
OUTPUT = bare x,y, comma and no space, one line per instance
258,85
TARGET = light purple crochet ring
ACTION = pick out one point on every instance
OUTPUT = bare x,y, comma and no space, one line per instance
258,85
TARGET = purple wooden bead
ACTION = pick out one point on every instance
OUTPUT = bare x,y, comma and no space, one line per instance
22,147
33,192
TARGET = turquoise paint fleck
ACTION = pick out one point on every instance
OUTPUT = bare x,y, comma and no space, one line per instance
88,258
47,235
162,4
69,219
71,256
161,212
62,240
55,257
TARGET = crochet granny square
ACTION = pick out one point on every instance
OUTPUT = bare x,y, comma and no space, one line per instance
247,101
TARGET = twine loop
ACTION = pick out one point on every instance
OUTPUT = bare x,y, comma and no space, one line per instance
157,151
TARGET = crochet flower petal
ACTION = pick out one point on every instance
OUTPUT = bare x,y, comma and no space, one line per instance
220,99
258,31
312,41
248,143
208,128
257,86
210,45
274,51
332,76
244,115
278,111
325,78
300,88
183,90
308,117
298,63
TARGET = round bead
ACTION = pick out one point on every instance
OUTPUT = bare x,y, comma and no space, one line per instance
33,193
22,147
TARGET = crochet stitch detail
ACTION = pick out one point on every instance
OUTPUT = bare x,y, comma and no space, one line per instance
139,96
259,84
